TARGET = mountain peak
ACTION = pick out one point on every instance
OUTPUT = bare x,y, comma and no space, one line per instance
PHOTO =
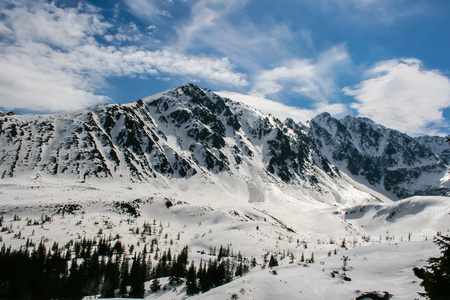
324,116
189,131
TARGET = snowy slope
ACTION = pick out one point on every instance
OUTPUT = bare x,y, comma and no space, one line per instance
377,268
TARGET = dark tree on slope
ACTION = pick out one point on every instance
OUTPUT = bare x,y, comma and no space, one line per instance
125,275
137,278
239,269
205,281
111,279
191,281
75,284
179,265
273,262
436,276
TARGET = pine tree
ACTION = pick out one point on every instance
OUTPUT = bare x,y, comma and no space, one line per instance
125,279
213,273
112,279
273,262
137,278
204,279
226,268
162,268
183,256
221,253
75,281
191,281
436,276
169,255
179,265
239,270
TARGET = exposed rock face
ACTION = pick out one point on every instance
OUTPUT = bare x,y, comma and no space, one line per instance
382,157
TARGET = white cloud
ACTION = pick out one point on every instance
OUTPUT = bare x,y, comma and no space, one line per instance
312,79
148,10
172,62
25,87
142,8
404,96
51,60
280,110
267,106
222,26
43,22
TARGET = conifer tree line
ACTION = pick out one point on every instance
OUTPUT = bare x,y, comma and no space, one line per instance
82,268
101,267
436,276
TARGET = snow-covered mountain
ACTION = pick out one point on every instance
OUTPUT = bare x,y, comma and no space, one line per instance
188,168
189,131
386,159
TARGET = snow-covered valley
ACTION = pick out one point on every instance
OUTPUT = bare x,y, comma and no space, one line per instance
384,241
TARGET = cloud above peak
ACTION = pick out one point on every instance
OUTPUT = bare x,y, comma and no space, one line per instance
268,106
401,94
314,79
56,59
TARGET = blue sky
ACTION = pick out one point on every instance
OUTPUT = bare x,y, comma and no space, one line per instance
383,59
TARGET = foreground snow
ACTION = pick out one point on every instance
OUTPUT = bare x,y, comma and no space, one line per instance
378,267
383,241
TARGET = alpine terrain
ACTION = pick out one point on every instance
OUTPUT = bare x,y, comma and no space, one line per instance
191,185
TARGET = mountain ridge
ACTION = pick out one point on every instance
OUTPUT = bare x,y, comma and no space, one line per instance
189,131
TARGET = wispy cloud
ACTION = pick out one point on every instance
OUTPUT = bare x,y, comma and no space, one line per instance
402,95
314,79
51,58
223,27
268,106
282,111
147,9
264,50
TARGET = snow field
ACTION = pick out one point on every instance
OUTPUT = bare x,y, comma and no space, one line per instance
384,241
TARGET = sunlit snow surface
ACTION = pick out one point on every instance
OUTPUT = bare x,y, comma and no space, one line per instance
384,240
